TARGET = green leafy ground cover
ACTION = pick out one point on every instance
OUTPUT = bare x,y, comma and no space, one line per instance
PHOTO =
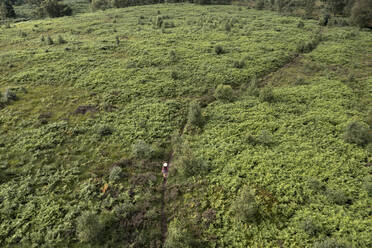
126,75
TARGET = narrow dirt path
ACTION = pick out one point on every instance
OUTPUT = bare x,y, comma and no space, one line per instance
164,219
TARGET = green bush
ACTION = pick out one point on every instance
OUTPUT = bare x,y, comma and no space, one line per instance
115,173
265,138
224,93
50,40
227,27
267,94
188,165
369,118
239,64
195,117
141,150
219,50
252,88
368,185
9,95
357,132
301,24
310,227
104,130
361,13
88,227
245,207
179,236
337,196
61,40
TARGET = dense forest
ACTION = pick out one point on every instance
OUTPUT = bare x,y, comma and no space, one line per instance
262,109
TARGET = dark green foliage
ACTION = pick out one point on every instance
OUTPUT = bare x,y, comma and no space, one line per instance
245,207
369,118
141,150
159,21
260,4
104,130
357,132
42,39
117,40
324,19
336,6
173,56
329,243
100,4
53,8
361,13
121,3
301,24
224,92
227,27
174,75
219,50
50,40
239,64
368,185
253,87
6,10
267,94
61,40
195,117
309,8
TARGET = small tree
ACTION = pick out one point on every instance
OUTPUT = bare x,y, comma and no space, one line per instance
361,13
224,93
219,50
336,6
245,206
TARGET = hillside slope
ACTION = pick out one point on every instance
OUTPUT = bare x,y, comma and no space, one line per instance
102,98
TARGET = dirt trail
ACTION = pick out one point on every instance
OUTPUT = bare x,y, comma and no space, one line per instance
164,222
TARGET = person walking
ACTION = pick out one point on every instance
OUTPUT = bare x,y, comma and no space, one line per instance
164,170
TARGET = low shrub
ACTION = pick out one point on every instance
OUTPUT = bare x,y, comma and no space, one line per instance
329,243
224,93
88,227
337,196
61,40
6,10
357,132
369,118
361,13
301,24
100,4
239,64
50,40
188,165
310,227
252,88
115,173
195,117
141,150
10,95
267,94
265,138
260,4
218,50
53,8
104,130
245,206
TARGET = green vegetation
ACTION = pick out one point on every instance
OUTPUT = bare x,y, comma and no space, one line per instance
266,125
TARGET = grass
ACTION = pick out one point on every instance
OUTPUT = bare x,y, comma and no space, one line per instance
55,162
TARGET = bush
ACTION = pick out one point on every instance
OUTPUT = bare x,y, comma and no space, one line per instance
61,40
361,13
88,227
245,206
310,227
120,3
53,8
253,87
6,10
368,185
357,133
115,173
369,118
323,21
188,165
50,40
179,236
337,196
239,64
195,117
104,130
267,94
10,96
224,93
141,150
301,24
227,27
219,50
